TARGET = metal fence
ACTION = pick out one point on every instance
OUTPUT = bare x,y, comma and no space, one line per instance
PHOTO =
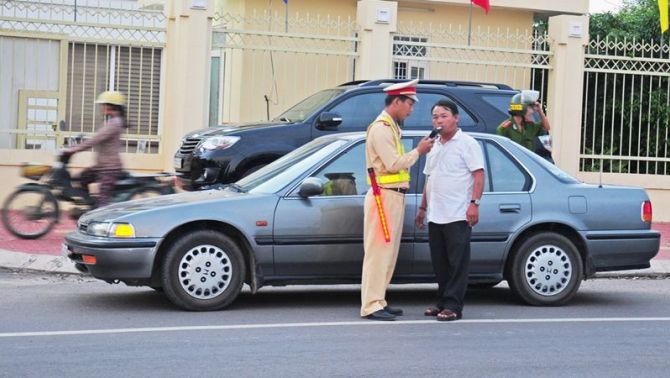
97,45
277,61
519,58
626,107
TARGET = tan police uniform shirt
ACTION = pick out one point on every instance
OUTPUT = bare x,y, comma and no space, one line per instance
382,153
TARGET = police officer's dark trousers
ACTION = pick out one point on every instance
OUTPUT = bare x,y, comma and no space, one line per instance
450,256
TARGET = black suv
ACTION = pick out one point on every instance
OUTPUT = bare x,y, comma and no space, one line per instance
225,154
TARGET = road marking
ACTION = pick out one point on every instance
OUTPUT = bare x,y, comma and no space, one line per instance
322,324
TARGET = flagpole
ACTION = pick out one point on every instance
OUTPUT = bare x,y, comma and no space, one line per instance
470,23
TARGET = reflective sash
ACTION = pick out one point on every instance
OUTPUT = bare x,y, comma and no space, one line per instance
402,175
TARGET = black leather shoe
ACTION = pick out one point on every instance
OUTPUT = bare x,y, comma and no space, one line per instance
381,315
393,310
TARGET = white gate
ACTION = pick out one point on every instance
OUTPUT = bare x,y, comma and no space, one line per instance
519,59
268,63
626,109
76,51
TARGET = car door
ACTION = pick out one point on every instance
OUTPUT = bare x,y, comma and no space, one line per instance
323,235
505,208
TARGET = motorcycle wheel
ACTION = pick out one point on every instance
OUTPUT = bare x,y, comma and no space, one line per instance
30,213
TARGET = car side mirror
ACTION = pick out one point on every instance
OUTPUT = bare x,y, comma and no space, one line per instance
328,121
311,186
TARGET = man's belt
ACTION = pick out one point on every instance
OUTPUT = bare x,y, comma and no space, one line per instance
399,190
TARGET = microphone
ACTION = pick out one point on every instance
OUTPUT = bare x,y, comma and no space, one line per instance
434,133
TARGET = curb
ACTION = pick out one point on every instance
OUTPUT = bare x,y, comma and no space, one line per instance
28,261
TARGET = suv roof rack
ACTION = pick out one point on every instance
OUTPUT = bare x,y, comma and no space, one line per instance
354,82
448,83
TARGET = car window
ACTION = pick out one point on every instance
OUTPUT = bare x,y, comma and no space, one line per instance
554,170
346,175
359,111
278,174
421,117
505,174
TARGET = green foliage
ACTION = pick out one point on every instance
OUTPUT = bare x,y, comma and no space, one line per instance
638,20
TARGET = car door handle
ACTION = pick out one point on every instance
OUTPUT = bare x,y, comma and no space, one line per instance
510,208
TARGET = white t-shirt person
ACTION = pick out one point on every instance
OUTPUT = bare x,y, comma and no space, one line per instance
448,170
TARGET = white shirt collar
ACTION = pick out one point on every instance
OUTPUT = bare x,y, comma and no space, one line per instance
458,134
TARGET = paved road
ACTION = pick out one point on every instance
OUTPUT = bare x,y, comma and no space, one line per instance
63,325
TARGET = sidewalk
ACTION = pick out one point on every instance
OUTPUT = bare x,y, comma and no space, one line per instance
44,254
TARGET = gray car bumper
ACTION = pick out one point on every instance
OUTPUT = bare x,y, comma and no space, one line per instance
130,261
621,250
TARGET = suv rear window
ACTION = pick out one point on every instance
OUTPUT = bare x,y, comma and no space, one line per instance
500,102
305,108
358,111
422,117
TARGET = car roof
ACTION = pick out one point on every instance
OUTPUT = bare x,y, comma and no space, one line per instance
430,83
356,135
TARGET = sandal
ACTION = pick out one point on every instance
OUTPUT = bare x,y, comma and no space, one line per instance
432,311
447,315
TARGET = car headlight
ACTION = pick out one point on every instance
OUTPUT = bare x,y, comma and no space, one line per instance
112,230
218,142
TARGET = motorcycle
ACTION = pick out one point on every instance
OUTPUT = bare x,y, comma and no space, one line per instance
32,210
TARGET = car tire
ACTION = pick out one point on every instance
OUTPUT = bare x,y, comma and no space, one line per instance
546,270
203,271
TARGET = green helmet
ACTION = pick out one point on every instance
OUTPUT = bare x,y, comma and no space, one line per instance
519,104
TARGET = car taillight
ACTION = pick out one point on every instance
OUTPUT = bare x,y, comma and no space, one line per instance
646,211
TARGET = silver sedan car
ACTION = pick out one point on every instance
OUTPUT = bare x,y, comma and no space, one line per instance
299,220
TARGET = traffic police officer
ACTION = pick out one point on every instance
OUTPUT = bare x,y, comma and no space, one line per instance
385,154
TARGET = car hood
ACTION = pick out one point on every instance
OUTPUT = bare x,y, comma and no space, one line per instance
232,128
164,203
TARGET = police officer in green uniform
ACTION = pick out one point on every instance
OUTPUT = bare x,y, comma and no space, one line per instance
522,128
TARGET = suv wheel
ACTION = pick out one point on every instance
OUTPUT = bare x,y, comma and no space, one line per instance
203,271
546,270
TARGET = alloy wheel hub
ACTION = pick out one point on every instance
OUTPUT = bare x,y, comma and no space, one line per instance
548,270
205,271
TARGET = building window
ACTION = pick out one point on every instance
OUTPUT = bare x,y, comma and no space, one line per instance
134,71
404,49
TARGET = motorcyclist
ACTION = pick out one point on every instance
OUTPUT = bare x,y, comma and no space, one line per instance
107,143
521,126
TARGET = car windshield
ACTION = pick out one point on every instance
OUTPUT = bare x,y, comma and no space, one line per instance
308,106
276,175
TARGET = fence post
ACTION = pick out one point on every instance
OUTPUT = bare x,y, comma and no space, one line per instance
567,37
185,104
378,20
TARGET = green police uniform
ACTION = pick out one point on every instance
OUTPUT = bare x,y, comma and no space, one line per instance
525,137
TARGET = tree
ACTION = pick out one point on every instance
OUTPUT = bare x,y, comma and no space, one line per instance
637,20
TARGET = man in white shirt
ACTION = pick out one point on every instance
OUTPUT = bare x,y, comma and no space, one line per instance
454,185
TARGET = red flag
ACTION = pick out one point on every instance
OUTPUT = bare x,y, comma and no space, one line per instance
482,3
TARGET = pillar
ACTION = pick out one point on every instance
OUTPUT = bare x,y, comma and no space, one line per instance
187,72
378,20
568,35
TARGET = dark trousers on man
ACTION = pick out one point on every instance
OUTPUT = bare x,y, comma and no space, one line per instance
450,256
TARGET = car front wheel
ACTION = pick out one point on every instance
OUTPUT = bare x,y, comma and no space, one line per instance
546,270
203,271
